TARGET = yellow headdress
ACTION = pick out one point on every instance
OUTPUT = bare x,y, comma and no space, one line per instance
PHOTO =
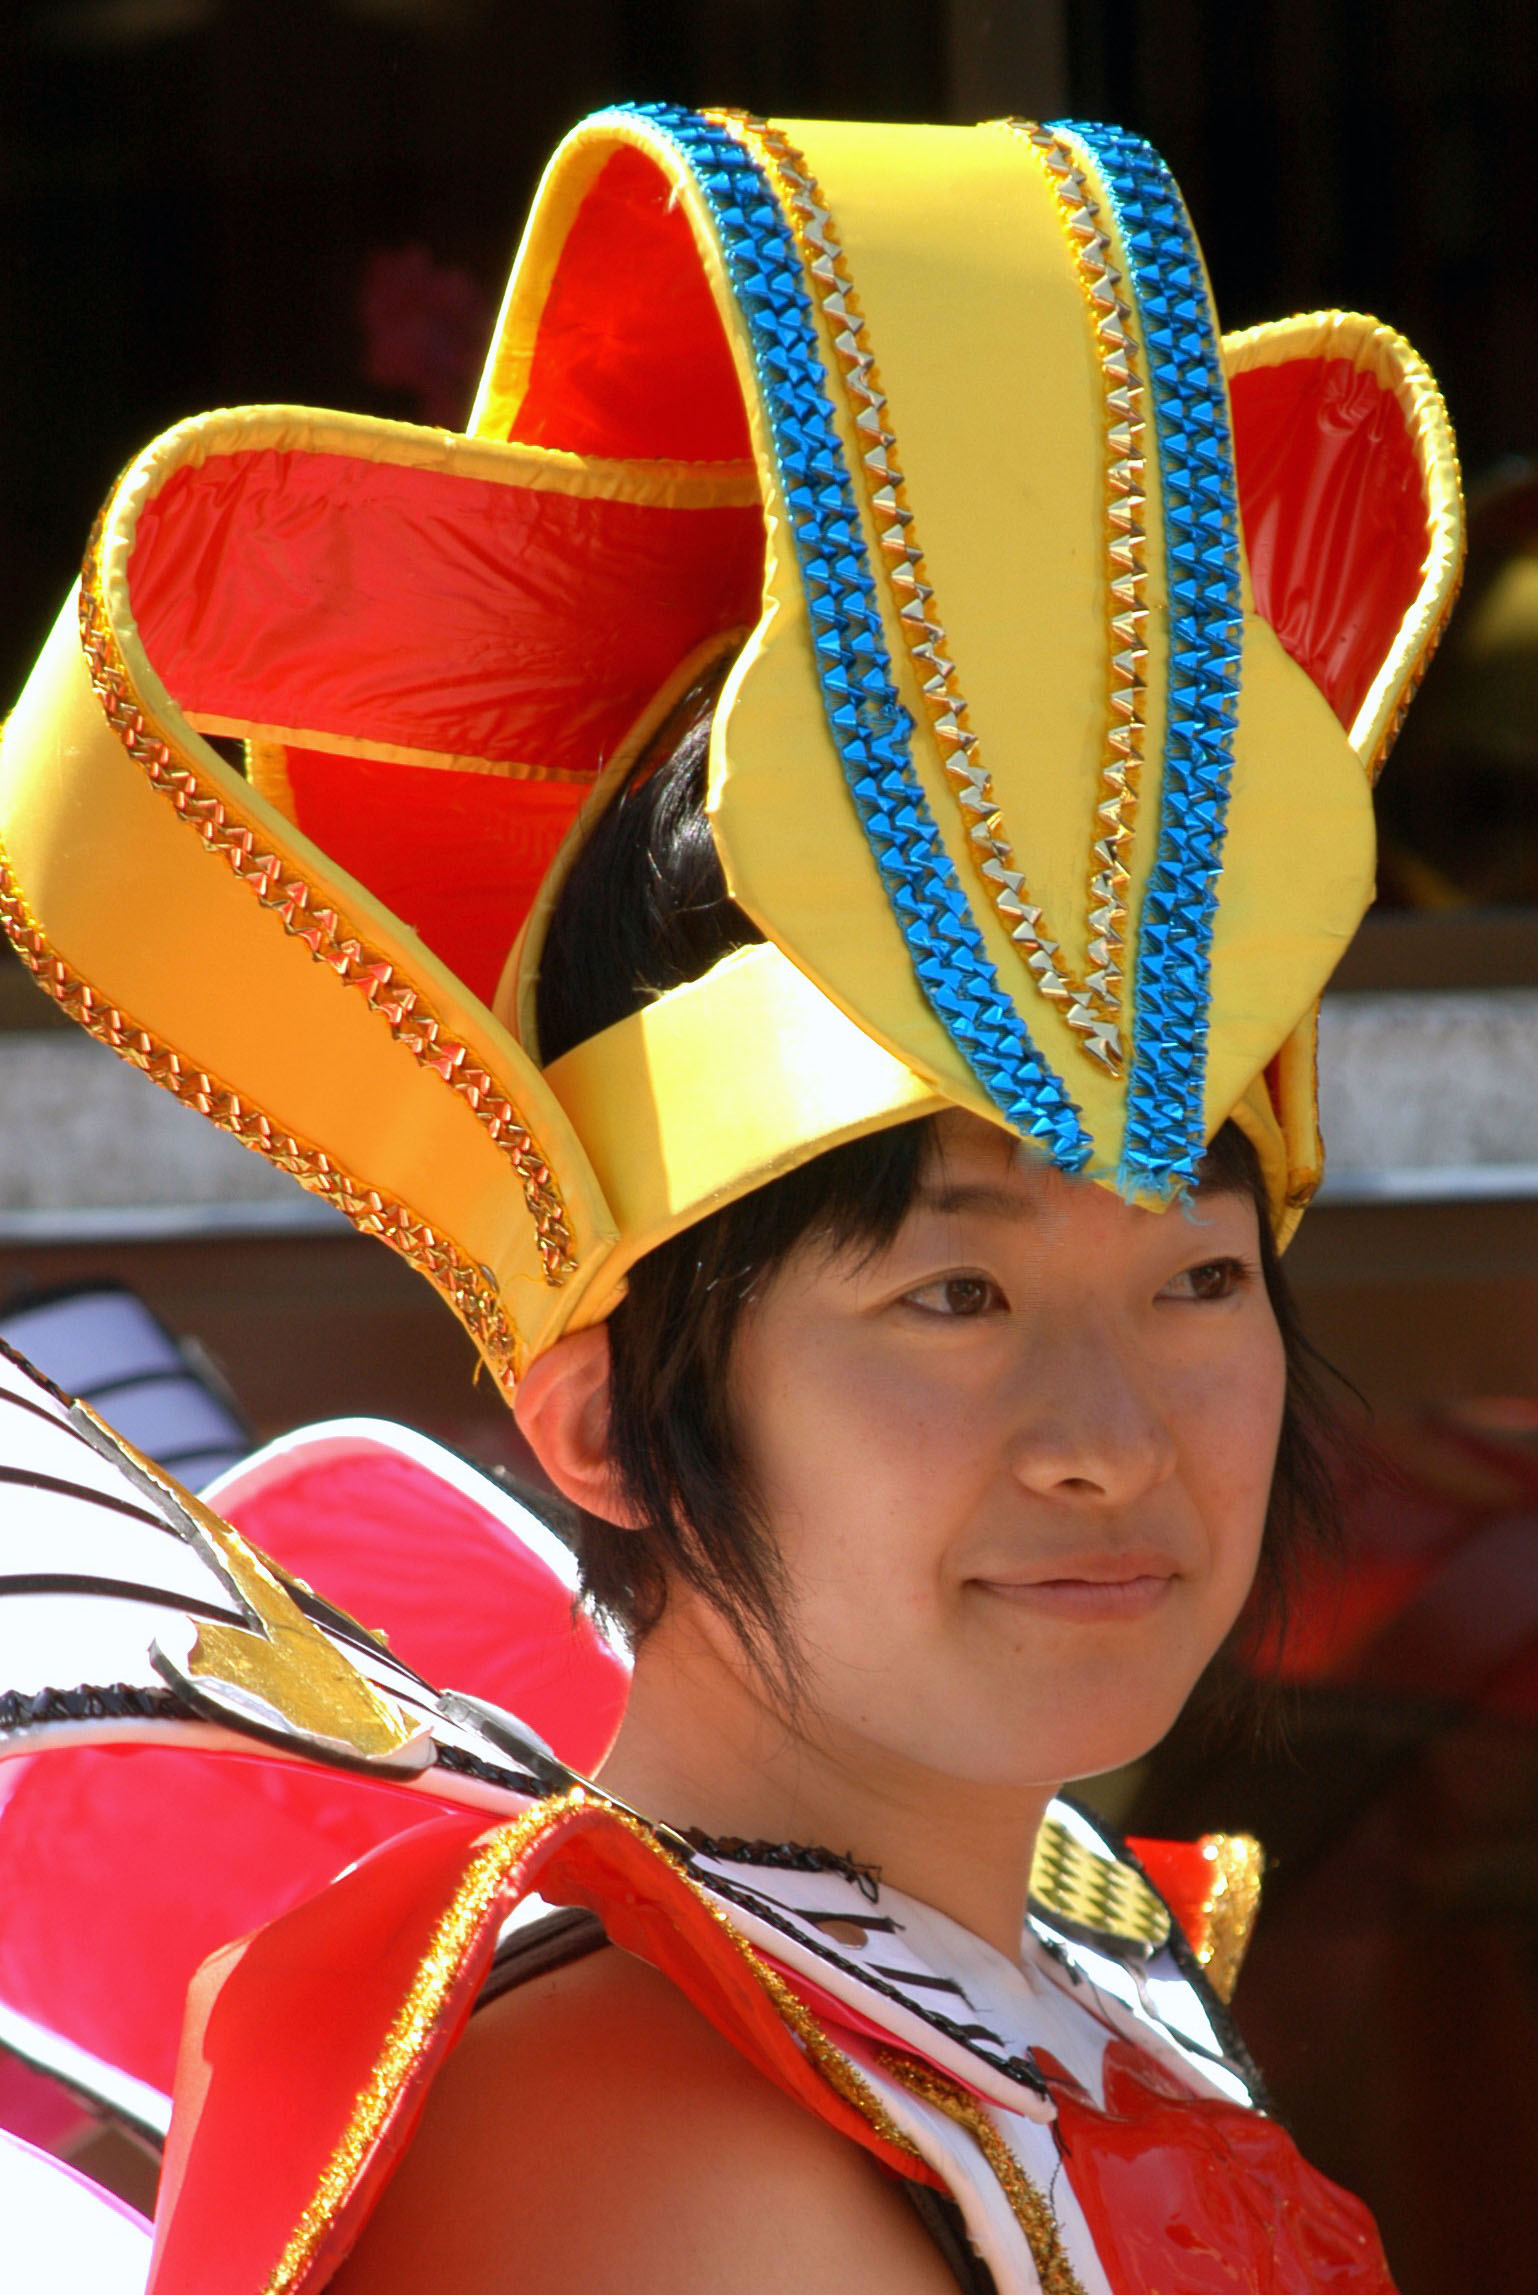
1075,637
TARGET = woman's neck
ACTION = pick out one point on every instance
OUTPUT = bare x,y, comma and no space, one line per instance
704,1746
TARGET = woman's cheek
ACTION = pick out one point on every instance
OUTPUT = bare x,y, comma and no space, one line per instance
1235,1458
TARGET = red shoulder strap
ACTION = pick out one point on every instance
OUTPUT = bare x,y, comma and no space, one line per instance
310,2046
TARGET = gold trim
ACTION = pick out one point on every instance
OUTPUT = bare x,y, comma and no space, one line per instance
786,1065
1031,2209
380,752
287,896
835,2067
663,483
408,2036
456,1277
267,772
1090,1006
281,1657
1126,501
427,1996
1238,1865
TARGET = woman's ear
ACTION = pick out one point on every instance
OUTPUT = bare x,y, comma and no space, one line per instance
562,1409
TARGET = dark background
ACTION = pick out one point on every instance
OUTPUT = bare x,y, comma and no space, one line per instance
316,201
192,191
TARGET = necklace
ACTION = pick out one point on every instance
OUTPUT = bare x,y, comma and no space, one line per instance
787,1857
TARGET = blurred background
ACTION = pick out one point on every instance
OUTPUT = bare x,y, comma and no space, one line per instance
216,201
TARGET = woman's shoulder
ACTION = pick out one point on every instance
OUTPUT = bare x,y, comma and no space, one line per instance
593,2130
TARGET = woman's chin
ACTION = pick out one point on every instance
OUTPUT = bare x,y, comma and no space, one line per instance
1036,1749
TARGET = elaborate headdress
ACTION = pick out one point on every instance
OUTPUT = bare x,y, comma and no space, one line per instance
1071,636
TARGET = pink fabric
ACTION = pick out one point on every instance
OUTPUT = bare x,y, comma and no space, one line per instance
124,1868
37,2108
462,1600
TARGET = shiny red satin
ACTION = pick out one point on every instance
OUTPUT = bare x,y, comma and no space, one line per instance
297,594
1182,1874
286,2030
1334,516
457,856
1186,2196
325,592
630,356
283,2033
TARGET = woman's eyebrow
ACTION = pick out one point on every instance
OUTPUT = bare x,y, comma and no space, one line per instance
976,1195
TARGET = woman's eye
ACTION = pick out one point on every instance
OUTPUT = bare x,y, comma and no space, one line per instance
959,1296
1212,1279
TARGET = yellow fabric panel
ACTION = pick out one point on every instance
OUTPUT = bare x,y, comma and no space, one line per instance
931,220
1297,867
134,904
1014,538
540,469
716,1088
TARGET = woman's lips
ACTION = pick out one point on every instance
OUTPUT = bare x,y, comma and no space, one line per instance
1085,1593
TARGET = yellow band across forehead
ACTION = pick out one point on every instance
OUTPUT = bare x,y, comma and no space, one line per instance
715,1089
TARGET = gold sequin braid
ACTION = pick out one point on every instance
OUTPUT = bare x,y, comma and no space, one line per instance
1126,509
1237,1864
409,2035
401,1007
451,1272
1089,1006
831,2062
1030,2207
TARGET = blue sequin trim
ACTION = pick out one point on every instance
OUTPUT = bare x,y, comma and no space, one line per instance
871,729
1165,1124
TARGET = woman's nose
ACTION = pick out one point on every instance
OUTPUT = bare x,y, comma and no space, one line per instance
1091,1428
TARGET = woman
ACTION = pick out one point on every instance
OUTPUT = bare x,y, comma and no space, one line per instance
871,1182
926,1479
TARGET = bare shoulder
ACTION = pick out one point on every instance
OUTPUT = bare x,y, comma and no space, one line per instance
593,2132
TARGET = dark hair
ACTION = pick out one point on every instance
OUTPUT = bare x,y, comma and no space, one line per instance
645,908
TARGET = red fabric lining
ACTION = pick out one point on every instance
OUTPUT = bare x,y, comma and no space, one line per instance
630,356
428,609
433,611
457,856
1335,516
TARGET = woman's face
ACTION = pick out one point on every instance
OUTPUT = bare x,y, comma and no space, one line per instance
1016,1465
